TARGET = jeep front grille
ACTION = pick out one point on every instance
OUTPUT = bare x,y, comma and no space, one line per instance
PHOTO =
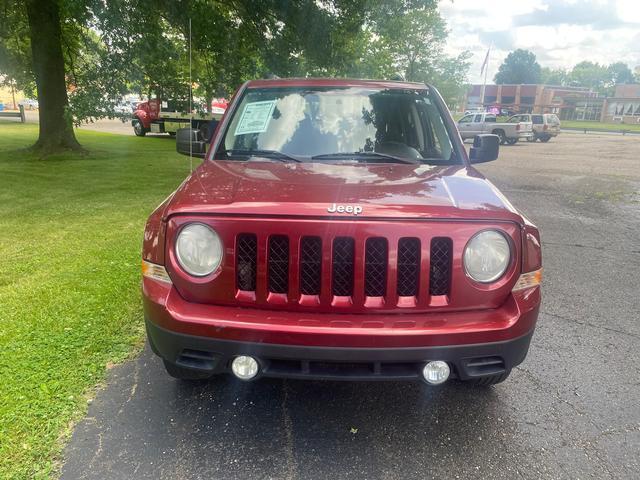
377,270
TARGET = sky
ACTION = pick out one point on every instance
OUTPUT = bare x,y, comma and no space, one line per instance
561,33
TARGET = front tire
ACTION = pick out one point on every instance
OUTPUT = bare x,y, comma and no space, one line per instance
138,128
511,141
501,135
545,139
182,373
204,131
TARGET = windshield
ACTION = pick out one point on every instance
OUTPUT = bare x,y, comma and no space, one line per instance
334,124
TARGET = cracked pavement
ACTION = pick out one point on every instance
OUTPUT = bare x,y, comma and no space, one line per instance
571,410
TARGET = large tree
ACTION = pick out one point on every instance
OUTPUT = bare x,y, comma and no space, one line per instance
31,33
520,66
406,38
553,76
590,75
619,73
45,32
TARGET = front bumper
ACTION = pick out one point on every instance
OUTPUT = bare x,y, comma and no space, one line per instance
526,135
213,356
288,344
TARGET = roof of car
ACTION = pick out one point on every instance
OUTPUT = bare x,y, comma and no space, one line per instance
334,82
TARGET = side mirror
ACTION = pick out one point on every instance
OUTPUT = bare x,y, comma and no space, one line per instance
485,148
190,142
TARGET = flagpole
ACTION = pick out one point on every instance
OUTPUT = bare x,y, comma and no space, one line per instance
484,85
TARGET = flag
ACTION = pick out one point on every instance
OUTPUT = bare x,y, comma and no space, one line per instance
486,60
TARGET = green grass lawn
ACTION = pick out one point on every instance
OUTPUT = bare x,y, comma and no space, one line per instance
70,239
633,127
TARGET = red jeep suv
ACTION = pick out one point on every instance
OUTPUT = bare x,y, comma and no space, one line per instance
337,230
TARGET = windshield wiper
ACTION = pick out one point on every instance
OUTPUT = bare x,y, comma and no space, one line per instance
274,154
356,155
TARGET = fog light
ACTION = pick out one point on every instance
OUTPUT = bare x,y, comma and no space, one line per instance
436,372
244,367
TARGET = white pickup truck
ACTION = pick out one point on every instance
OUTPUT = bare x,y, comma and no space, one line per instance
509,133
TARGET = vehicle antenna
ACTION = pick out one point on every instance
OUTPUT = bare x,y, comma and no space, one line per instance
190,105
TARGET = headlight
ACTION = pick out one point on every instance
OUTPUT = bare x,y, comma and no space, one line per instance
198,249
487,256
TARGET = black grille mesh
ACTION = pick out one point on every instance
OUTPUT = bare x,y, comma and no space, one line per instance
310,265
278,264
342,266
440,271
408,267
246,260
375,267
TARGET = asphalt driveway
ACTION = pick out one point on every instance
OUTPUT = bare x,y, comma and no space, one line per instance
572,410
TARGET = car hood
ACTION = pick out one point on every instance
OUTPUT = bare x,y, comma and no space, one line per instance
315,189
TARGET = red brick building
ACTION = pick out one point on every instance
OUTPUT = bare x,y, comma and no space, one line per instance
624,106
567,102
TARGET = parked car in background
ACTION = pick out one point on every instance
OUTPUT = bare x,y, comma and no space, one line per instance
478,123
29,104
337,229
545,125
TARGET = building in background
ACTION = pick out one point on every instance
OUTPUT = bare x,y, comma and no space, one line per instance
624,106
569,103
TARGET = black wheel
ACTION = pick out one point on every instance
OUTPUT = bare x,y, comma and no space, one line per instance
490,380
184,373
172,134
204,131
138,128
532,139
511,141
545,139
501,136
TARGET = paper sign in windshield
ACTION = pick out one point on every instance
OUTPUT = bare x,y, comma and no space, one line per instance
255,117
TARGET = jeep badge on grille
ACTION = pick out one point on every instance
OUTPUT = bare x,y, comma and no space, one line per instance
355,209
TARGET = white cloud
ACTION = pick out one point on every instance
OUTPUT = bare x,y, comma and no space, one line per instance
560,32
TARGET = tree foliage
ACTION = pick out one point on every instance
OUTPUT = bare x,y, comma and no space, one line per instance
520,66
110,48
553,76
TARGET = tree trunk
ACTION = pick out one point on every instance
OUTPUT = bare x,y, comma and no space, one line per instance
56,129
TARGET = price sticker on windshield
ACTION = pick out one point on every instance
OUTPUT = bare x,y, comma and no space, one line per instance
255,117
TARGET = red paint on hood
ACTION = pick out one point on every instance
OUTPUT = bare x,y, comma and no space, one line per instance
270,188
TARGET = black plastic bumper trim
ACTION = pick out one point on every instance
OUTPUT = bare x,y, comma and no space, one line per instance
337,363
